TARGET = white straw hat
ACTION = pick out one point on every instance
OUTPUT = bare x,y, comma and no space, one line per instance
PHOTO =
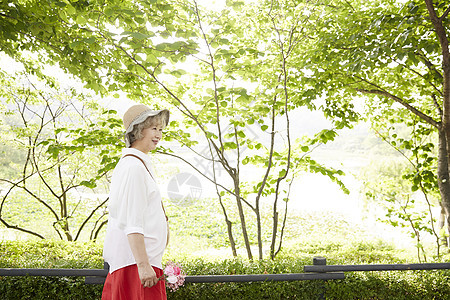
137,114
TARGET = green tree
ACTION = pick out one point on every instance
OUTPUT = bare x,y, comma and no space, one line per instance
227,74
396,56
251,88
57,136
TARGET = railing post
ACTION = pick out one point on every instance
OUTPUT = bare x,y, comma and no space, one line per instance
321,261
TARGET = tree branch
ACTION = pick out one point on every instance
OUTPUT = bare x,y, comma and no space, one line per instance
429,65
7,225
436,104
204,175
412,109
445,14
89,217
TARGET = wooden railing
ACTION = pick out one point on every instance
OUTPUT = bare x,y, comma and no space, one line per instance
318,271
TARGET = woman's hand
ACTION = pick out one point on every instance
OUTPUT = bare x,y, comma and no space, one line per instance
147,275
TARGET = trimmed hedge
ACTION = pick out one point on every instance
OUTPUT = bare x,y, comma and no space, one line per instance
398,285
408,285
38,287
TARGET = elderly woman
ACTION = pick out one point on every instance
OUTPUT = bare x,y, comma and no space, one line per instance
137,232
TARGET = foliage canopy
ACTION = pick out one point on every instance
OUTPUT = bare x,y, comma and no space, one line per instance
245,69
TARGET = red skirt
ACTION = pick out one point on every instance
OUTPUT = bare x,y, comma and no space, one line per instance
124,284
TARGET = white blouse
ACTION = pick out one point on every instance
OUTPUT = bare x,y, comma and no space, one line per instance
135,206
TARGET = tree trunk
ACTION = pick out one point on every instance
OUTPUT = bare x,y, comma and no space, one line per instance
229,227
259,233
242,218
274,233
441,225
443,175
444,129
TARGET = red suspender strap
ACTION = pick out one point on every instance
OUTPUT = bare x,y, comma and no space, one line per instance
167,219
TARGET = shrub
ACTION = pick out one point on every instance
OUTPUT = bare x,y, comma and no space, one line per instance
37,287
50,254
405,285
408,285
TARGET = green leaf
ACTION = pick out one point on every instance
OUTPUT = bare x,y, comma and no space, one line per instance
230,145
81,20
71,10
139,36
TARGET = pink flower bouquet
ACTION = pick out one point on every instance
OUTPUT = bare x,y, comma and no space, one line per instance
174,275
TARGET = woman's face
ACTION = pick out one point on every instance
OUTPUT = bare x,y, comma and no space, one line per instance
154,135
150,138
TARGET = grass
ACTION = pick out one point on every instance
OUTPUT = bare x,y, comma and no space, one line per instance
199,232
310,235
